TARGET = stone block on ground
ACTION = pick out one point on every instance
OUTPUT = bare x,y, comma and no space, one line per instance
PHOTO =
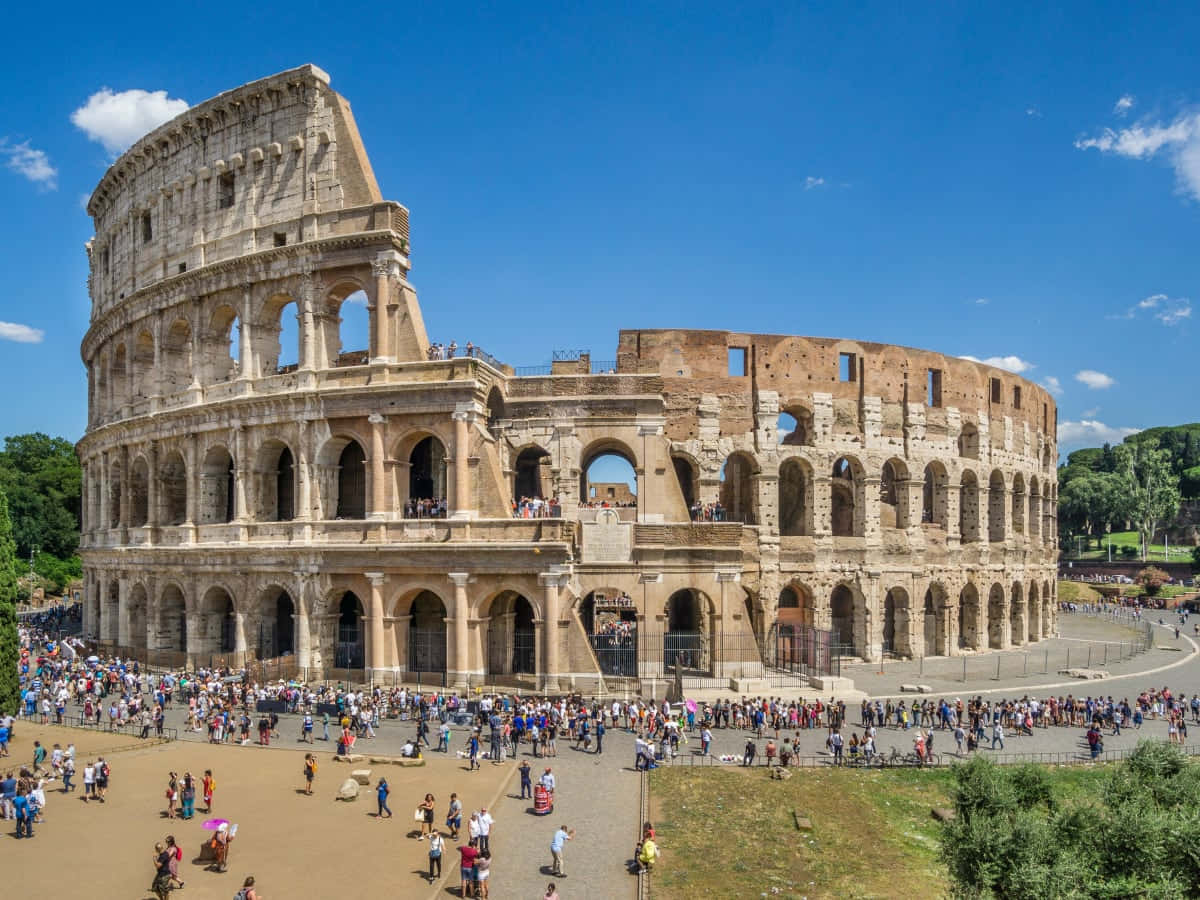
942,814
924,689
1085,674
802,822
908,688
349,758
362,776
348,790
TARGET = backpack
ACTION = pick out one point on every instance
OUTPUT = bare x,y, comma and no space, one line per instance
240,895
104,770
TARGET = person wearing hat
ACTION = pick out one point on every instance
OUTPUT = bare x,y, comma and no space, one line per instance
547,780
220,844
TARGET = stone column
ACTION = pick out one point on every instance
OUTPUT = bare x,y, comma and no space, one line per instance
377,658
105,513
239,636
384,267
464,416
152,487
550,582
246,363
462,650
378,508
123,635
724,614
308,331
240,470
304,472
125,495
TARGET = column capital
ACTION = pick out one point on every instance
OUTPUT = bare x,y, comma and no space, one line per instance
727,577
377,418
461,579
376,578
553,579
650,578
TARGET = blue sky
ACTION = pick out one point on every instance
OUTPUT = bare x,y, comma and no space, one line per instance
1017,185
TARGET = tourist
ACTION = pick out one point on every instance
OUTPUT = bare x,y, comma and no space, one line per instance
247,892
220,843
483,868
436,847
89,781
209,786
526,780
172,794
551,892
558,848
425,808
102,775
310,772
749,754
454,816
381,794
188,796
68,772
548,781
467,870
175,853
162,871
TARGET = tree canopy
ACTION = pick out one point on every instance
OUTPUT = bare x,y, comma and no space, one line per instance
42,479
9,648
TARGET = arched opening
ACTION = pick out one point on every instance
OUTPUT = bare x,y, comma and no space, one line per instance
217,483
143,366
968,441
1035,509
796,643
794,427
610,619
120,378
1018,504
738,501
1018,614
111,629
278,336
427,634
511,647
348,654
844,487
138,609
139,493
173,490
426,479
170,627
531,474
996,622
935,508
609,480
352,482
1035,614
218,622
114,495
686,642
968,508
177,372
795,499
996,510
893,495
495,410
353,331
223,342
969,637
936,621
848,619
285,487
685,476
897,629
275,476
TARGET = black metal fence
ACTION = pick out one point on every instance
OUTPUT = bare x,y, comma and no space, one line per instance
803,650
617,655
427,652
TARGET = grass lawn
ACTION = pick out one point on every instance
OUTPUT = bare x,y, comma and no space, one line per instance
729,832
1121,539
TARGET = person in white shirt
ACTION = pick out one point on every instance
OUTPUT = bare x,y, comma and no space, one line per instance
485,828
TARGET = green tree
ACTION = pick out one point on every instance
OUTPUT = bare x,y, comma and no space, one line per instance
1152,578
1094,503
1153,487
9,649
1196,560
42,478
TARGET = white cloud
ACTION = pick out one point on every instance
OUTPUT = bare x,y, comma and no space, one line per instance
1123,105
32,164
117,120
981,301
1033,112
813,181
1009,363
1053,385
22,334
1152,301
1091,413
1097,381
1092,432
1180,141
1180,311
1168,310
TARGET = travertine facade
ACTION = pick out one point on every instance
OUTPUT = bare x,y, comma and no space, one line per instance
238,508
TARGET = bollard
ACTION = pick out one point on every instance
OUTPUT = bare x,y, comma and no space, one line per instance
1046,664
1106,654
1025,665
964,670
997,666
1089,665
1068,657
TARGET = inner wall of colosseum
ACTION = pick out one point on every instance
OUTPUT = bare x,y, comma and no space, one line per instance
256,488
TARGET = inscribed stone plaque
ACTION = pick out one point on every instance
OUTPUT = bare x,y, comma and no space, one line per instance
607,539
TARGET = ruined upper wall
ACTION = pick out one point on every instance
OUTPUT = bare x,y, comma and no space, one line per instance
693,363
246,170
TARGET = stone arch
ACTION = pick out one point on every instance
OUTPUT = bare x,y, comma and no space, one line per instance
347,324
996,500
689,622
995,617
612,632
687,475
738,496
897,622
114,494
935,505
171,620
222,340
531,473
589,490
795,619
1034,528
173,489
143,365
139,492
120,377
1034,616
893,494
427,634
795,426
277,335
936,620
137,615
275,482
271,631
218,481
968,441
968,507
511,637
970,636
426,471
1018,504
348,649
343,472
1017,614
849,619
217,621
177,371
796,606
847,495
795,497
495,410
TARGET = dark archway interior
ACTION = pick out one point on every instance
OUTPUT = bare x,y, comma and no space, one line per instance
686,476
528,475
349,644
352,482
285,487
427,634
427,470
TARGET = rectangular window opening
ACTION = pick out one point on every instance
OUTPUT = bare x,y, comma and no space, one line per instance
995,390
225,191
281,239
1016,397
737,362
147,229
182,268
1045,416
104,260
847,367
933,392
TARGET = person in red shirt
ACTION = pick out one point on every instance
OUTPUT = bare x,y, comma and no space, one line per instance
467,870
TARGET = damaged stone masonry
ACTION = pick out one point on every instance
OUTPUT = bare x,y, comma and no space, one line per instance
236,509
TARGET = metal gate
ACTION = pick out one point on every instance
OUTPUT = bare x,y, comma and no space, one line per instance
349,654
616,654
266,641
518,659
427,650
688,649
803,650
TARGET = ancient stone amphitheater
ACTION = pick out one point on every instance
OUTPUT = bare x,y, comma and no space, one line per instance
358,513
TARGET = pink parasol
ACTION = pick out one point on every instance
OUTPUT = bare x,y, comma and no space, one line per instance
214,824
691,705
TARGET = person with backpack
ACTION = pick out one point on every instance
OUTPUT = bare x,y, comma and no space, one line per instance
102,774
247,892
310,772
381,794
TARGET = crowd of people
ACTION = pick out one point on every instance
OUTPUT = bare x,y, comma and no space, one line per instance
536,508
425,508
707,512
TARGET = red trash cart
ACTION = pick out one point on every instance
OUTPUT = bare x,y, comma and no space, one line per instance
543,801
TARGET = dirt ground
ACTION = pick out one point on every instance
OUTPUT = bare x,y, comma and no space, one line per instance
294,845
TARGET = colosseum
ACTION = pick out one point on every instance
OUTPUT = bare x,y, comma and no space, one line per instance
404,513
